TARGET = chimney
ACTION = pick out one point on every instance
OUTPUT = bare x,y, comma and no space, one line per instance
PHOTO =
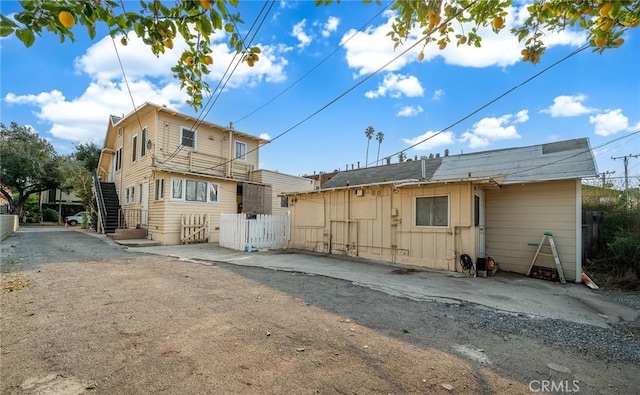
437,155
446,152
431,156
388,158
416,157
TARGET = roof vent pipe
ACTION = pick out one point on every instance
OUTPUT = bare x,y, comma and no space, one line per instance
388,158
446,152
438,155
430,156
424,168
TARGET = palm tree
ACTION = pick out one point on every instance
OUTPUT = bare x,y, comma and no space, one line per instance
379,137
369,133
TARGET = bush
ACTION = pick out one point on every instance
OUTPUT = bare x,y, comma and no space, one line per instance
49,215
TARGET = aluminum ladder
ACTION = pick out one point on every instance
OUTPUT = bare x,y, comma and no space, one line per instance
548,237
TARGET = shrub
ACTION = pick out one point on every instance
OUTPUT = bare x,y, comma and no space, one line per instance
49,215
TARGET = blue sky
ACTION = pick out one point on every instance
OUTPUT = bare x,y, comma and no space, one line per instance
67,91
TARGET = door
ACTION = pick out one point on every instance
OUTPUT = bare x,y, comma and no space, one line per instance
144,201
478,198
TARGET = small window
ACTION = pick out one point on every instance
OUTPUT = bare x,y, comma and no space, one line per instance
432,211
134,148
241,150
176,188
196,191
213,193
143,143
159,193
118,159
188,138
130,194
284,201
476,210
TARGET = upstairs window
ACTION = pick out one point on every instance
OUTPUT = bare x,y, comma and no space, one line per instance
241,151
134,148
118,159
432,211
188,138
143,143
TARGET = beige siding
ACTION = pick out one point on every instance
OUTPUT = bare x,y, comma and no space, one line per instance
280,184
379,224
517,215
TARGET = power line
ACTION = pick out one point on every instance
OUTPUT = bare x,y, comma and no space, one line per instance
314,67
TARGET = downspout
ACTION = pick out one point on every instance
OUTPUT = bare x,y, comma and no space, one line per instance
231,156
578,231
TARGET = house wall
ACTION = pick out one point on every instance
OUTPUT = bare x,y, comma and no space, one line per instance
381,225
280,184
166,214
519,214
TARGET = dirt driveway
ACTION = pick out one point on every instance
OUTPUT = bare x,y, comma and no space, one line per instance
148,324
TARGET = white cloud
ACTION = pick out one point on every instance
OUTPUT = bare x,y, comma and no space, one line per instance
369,50
265,136
298,32
611,122
397,85
433,139
568,106
84,118
521,116
409,111
491,129
437,95
331,26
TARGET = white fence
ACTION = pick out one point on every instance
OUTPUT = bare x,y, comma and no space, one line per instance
265,231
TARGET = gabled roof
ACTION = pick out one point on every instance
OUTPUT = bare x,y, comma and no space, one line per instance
568,159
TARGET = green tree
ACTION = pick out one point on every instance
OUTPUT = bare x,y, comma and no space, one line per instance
158,23
369,132
379,137
77,172
402,156
29,165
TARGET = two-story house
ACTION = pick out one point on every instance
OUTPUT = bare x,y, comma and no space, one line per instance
159,166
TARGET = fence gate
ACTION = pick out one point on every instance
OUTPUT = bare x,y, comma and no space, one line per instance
264,231
195,228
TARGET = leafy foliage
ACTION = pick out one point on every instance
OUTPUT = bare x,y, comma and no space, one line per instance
29,165
77,169
158,23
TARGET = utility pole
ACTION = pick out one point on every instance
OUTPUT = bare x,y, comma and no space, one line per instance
604,176
626,167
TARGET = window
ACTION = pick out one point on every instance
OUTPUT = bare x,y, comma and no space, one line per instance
159,192
134,148
129,196
284,201
188,138
241,151
118,159
193,191
432,211
143,143
176,188
476,210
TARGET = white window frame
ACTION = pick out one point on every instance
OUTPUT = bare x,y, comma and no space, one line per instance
159,189
181,195
143,142
134,148
235,150
195,137
117,157
130,195
431,215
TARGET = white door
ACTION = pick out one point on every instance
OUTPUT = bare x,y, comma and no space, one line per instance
478,209
144,201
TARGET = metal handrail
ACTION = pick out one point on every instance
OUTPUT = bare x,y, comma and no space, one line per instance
102,209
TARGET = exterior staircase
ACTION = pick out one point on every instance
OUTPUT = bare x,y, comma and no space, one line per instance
111,205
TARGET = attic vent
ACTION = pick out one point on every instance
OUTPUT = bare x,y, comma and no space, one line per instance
359,192
119,131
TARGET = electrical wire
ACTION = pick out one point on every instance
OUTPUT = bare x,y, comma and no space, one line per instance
311,70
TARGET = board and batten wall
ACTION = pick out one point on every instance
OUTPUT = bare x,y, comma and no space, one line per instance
517,215
379,223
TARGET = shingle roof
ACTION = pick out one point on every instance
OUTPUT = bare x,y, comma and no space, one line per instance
544,162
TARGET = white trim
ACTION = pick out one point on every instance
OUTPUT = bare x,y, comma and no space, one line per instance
578,231
183,191
235,153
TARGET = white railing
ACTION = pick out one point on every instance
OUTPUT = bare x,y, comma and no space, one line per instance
239,232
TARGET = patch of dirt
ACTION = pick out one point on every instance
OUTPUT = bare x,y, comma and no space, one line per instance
155,324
